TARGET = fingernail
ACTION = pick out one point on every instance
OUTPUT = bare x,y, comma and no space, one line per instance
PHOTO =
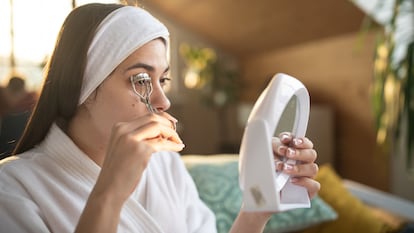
285,137
280,150
181,141
174,125
291,152
297,141
279,165
172,119
288,167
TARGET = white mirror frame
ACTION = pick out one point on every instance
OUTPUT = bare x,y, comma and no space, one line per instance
261,185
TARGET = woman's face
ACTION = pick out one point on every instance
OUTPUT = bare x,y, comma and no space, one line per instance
115,100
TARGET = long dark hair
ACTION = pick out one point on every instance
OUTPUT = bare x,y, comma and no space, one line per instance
64,71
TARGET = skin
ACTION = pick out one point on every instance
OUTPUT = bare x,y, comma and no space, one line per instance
121,141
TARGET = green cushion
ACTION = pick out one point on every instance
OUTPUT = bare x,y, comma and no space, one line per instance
218,186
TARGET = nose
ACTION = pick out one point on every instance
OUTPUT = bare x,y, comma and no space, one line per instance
159,99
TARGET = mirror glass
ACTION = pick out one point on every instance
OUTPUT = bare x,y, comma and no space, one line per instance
287,119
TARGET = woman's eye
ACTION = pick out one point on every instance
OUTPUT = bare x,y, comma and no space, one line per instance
143,81
164,81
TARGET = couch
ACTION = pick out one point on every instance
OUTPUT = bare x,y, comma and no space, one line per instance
340,206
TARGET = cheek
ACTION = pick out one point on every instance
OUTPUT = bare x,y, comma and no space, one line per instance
117,107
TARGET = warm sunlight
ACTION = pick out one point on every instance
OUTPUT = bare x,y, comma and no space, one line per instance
36,25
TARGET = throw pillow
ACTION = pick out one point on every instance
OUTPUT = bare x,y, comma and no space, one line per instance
353,215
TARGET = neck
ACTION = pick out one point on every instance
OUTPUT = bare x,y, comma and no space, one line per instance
88,138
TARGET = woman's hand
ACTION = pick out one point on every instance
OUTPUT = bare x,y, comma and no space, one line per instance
130,148
302,173
299,149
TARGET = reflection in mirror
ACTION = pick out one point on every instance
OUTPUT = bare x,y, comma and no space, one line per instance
287,119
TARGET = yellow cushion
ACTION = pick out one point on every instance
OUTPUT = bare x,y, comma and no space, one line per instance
353,215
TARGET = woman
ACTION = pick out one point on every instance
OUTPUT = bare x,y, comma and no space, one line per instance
93,158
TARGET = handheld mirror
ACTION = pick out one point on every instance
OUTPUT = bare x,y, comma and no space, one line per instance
283,106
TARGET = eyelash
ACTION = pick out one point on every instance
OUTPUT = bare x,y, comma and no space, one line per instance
164,81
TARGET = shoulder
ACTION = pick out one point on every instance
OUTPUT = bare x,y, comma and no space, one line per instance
18,212
17,174
12,164
19,161
20,169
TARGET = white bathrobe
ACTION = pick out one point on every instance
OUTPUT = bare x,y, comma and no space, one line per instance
46,188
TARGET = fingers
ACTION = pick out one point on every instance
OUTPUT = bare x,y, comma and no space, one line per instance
130,148
286,146
155,130
300,149
301,170
311,185
173,121
303,155
150,126
160,144
297,149
160,136
287,138
162,118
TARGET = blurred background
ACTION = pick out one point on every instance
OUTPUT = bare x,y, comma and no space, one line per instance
223,54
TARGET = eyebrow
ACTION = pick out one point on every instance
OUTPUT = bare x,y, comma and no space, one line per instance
146,67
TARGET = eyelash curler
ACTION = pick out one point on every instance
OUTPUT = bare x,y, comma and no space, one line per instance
144,91
142,86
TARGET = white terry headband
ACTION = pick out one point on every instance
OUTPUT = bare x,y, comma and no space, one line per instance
119,34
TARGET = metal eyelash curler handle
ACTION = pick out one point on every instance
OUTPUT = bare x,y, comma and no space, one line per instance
144,80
